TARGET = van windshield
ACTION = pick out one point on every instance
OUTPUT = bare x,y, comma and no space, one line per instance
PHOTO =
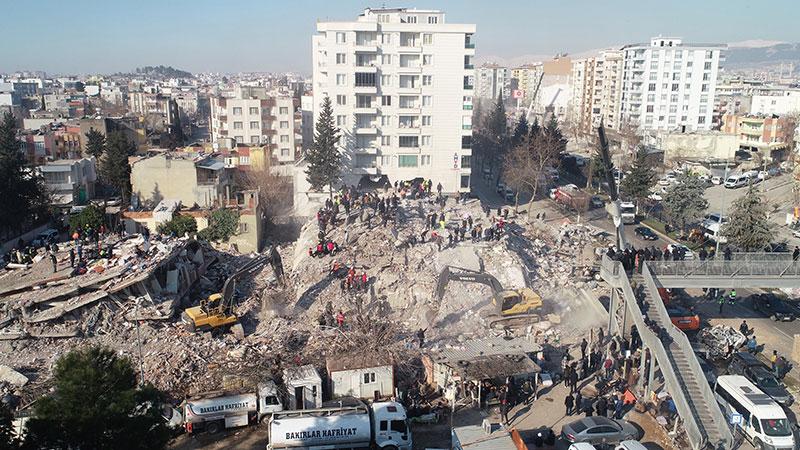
776,427
731,180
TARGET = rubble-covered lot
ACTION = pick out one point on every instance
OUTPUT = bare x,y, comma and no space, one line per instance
131,302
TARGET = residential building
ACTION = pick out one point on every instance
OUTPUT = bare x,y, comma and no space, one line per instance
204,182
778,101
254,116
527,78
10,100
595,86
767,135
146,104
114,94
491,80
307,121
668,84
555,91
699,146
72,181
401,83
132,127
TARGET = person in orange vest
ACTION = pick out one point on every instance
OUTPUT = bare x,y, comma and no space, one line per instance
340,319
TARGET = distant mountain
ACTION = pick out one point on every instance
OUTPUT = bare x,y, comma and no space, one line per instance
163,72
753,57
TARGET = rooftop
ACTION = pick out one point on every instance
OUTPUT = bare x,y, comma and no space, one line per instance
337,363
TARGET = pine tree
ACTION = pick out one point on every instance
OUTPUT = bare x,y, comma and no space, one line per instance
684,202
535,128
324,158
520,131
748,227
24,195
554,134
95,143
637,184
115,170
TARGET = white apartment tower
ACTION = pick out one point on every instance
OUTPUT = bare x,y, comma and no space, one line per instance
668,85
256,117
491,80
401,84
596,88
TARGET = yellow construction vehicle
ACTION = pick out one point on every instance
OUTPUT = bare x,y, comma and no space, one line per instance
216,311
512,307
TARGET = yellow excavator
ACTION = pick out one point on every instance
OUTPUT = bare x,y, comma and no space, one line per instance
512,307
216,311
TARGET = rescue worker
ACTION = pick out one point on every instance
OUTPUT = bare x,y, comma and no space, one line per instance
732,297
340,319
569,402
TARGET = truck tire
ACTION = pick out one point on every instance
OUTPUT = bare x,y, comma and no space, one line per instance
389,447
214,427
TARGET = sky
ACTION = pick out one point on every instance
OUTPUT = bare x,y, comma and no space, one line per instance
102,36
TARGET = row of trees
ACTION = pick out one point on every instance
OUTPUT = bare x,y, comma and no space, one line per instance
96,403
112,155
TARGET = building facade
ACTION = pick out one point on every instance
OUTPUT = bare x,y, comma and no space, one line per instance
491,80
527,79
667,84
72,181
768,135
205,182
778,101
595,84
253,116
401,84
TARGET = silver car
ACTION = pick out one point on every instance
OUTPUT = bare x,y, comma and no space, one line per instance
599,430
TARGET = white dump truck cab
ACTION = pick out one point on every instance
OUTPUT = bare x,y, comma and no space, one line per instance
268,400
390,426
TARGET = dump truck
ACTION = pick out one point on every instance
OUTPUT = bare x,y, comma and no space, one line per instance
216,413
344,424
572,197
512,307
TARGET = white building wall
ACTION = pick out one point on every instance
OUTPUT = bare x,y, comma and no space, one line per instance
669,85
375,149
352,382
787,102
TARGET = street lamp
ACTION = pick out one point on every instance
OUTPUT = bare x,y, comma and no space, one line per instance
721,206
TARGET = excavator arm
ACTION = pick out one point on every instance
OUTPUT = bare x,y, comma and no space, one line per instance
250,268
469,276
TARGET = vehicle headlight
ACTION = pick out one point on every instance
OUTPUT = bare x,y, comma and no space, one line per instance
768,439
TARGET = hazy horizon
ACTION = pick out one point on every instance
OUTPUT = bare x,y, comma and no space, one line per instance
205,36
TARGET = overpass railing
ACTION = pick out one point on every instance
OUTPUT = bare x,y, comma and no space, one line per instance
765,265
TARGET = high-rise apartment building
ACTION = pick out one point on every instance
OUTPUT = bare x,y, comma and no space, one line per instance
491,80
528,77
254,116
401,85
596,88
667,84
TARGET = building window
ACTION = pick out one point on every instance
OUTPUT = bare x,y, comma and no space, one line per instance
239,139
427,80
284,139
237,111
706,76
386,60
433,20
707,66
675,87
341,79
386,38
651,87
409,141
341,58
253,110
284,124
363,101
673,98
653,76
427,39
341,38
464,181
341,100
426,141
709,54
466,141
651,97
284,152
427,100
407,160
425,160
242,227
649,108
238,125
386,141
365,79
253,140
426,121
386,80
673,109
386,100
386,160
254,125
411,19
386,121
341,120
427,60
701,120
704,88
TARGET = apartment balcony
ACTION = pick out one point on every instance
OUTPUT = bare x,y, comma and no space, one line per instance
409,130
469,45
410,89
365,89
365,109
469,87
366,170
366,150
467,107
366,47
466,127
469,66
367,129
415,48
367,68
410,69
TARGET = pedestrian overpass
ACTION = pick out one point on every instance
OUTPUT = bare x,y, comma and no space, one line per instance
705,425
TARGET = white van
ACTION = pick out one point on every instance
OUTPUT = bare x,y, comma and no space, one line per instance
762,421
736,181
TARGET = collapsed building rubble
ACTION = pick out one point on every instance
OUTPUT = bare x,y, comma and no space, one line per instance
128,302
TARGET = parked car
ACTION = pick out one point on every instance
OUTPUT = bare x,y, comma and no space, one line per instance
597,202
777,247
624,445
599,430
747,365
704,178
663,182
510,195
501,188
46,237
764,175
688,253
645,233
774,171
773,307
683,319
717,180
655,196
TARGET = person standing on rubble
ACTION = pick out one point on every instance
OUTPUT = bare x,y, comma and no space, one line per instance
54,260
503,401
439,189
72,257
421,337
584,344
340,319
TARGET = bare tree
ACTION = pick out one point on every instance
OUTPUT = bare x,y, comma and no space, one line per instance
630,141
274,191
526,166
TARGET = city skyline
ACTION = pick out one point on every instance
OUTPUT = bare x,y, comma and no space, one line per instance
202,36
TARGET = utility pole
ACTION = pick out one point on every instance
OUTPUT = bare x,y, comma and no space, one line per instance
722,206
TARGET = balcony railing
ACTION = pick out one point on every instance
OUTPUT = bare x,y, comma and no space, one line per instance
469,86
469,45
469,66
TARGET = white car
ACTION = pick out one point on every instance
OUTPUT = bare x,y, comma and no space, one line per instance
655,196
664,182
764,175
624,445
717,180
